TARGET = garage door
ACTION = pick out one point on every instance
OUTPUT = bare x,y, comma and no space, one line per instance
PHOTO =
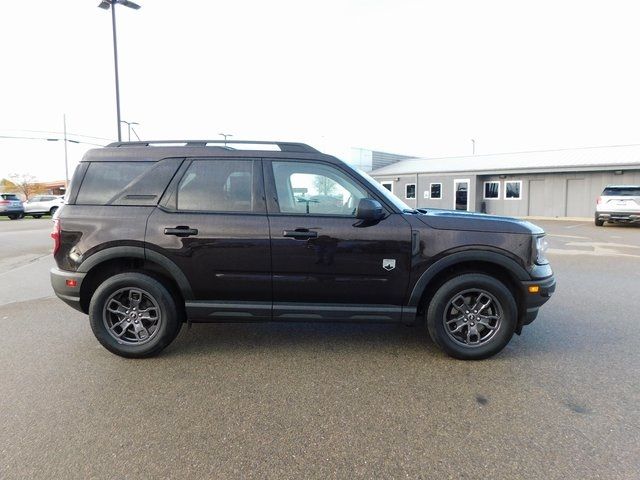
577,200
536,198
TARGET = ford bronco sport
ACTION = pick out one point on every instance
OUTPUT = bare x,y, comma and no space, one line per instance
156,234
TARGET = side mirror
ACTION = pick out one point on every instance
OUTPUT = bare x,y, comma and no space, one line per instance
369,210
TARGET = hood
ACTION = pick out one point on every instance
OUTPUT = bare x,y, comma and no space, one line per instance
476,222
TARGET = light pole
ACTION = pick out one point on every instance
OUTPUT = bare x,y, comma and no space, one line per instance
225,135
105,5
473,146
130,127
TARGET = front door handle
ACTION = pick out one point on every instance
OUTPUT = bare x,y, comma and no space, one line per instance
181,231
299,233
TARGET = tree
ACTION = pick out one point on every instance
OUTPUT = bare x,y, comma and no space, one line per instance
26,184
324,185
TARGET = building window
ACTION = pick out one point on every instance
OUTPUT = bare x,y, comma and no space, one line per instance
388,186
491,190
513,190
410,190
436,190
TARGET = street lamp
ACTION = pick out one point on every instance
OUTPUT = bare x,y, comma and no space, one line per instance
473,146
130,127
105,5
225,135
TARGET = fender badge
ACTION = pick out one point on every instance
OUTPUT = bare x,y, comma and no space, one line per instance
389,264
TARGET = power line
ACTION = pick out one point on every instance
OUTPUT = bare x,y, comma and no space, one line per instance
61,133
49,140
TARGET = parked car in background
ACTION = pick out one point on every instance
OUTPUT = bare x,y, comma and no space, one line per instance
618,203
43,205
11,206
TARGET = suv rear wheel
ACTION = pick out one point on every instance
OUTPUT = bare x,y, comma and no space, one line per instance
133,315
472,316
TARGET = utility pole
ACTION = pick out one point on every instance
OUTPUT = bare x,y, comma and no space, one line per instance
66,161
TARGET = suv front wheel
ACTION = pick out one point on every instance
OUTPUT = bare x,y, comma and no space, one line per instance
472,316
133,315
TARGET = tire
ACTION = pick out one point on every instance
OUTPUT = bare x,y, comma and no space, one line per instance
14,217
53,211
599,223
36,216
115,292
474,340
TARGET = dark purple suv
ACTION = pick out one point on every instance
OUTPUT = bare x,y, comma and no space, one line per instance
156,234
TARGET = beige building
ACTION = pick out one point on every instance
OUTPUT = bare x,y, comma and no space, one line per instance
553,183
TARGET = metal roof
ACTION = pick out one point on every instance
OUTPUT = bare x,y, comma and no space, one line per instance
570,159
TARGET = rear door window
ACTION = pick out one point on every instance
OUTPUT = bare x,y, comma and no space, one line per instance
104,180
217,186
621,192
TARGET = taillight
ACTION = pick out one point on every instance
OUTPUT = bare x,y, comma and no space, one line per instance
4,202
55,234
599,200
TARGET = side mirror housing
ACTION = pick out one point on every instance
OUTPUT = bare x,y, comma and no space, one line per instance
369,210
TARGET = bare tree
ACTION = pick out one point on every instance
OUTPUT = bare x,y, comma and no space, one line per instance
26,184
324,185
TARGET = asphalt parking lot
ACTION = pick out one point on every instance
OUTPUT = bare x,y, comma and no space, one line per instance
325,400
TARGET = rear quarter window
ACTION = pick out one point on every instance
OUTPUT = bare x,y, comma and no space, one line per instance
621,192
103,180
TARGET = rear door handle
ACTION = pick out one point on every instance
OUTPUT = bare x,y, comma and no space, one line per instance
181,231
299,233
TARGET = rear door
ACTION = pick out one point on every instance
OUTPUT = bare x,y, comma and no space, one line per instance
212,224
326,263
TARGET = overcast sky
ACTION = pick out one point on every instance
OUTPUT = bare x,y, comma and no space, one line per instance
413,77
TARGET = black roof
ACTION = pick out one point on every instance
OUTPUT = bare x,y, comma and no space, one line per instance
153,150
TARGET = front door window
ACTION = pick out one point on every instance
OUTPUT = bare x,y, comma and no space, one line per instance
315,189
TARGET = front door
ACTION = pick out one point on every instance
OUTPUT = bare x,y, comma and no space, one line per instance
326,263
212,224
461,195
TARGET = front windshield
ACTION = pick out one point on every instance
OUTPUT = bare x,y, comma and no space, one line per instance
384,192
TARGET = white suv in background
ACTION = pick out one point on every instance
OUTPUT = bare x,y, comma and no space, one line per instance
43,205
618,203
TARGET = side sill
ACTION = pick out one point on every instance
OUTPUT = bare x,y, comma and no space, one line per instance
230,311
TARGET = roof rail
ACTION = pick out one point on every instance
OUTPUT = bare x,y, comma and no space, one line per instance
284,146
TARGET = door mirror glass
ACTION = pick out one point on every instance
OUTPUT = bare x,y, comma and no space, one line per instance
369,210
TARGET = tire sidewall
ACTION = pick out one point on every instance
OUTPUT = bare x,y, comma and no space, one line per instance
456,285
170,321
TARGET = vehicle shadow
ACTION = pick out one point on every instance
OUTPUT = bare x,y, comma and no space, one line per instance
289,336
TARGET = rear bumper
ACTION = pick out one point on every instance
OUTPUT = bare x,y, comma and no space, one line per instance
618,216
69,294
533,301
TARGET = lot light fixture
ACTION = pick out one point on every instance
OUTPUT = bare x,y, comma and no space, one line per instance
105,5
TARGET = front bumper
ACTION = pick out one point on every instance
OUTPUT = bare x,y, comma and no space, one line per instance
618,216
533,301
65,289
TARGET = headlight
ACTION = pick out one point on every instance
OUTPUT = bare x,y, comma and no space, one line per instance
540,246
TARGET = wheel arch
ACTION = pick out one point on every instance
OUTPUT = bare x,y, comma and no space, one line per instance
494,264
115,260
